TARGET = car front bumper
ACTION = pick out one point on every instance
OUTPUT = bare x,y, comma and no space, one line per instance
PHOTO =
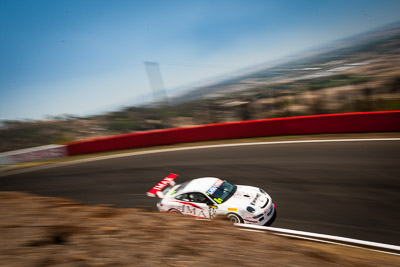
265,219
270,220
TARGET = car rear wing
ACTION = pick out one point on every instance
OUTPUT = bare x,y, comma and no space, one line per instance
163,186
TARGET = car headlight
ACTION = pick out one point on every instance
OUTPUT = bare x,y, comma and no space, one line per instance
250,209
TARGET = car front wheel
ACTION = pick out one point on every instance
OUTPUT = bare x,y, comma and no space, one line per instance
234,218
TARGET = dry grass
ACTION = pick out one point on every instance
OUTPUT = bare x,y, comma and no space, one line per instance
40,231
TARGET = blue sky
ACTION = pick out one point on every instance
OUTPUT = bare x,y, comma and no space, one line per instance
86,56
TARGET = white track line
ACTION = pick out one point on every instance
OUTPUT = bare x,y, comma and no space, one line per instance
30,169
374,245
334,243
320,241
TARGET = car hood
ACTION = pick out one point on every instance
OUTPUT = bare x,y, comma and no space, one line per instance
249,196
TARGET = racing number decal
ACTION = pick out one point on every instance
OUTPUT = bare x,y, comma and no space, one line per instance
218,200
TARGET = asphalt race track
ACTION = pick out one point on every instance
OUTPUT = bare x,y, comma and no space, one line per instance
349,189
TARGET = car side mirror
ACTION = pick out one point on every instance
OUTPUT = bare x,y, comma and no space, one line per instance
211,205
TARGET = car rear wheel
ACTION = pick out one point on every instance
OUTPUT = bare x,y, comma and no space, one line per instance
175,212
234,218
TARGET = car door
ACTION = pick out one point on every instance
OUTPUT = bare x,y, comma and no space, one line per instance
206,207
194,204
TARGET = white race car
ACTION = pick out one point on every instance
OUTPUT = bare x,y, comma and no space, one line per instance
209,197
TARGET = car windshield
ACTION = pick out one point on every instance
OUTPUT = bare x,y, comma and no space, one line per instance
223,192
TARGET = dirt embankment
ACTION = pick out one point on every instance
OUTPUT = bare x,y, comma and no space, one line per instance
40,231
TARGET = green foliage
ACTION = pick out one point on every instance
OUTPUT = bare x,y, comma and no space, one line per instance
122,125
335,81
387,105
394,85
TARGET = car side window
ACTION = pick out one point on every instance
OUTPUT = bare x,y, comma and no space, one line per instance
197,197
183,197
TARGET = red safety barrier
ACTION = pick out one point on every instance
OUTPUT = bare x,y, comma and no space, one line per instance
384,121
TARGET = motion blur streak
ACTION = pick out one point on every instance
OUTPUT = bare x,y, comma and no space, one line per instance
339,188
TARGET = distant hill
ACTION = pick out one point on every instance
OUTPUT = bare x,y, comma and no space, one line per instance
342,54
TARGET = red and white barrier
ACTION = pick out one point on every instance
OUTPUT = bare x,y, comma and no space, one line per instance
384,121
33,154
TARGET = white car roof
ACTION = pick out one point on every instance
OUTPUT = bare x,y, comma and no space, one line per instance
200,185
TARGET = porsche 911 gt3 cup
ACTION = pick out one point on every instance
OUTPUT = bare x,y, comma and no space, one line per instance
209,197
